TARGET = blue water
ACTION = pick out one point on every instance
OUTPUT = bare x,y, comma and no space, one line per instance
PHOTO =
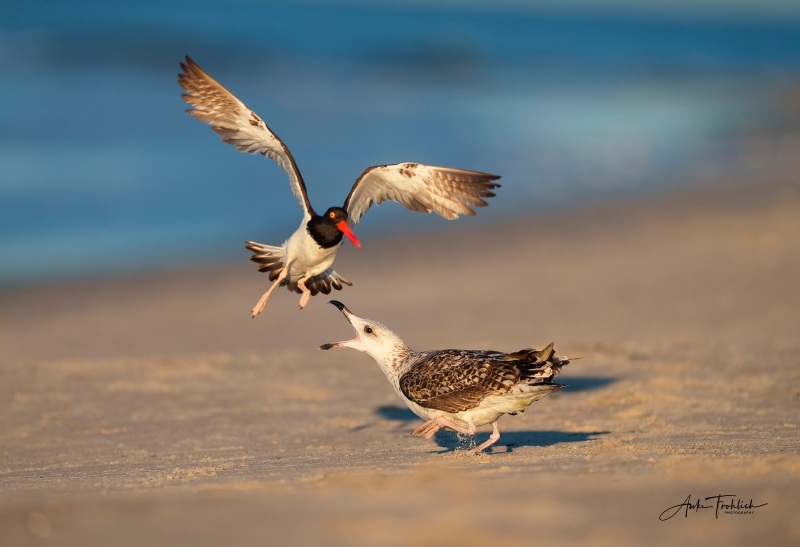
101,172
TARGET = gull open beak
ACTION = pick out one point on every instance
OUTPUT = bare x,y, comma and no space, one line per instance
347,313
345,229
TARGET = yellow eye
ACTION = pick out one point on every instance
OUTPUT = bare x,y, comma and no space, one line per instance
332,215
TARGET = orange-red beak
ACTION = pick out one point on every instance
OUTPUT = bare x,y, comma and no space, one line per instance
345,229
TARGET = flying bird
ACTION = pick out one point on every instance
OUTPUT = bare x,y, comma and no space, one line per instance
456,389
303,263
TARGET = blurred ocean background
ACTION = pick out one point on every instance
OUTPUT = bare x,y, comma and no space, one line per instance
102,172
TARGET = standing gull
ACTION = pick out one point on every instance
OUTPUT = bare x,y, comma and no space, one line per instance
454,388
303,263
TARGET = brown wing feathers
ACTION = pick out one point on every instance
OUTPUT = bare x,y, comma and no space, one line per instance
466,186
457,380
424,188
237,124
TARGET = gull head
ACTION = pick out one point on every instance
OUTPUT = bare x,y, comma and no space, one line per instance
372,337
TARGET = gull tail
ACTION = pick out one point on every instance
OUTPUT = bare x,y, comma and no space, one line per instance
538,366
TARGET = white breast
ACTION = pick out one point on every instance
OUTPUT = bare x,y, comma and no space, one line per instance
307,258
492,407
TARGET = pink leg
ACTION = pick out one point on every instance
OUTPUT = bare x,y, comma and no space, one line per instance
306,293
429,428
471,427
263,301
493,438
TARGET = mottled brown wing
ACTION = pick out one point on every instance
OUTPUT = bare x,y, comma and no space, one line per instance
237,124
424,188
457,380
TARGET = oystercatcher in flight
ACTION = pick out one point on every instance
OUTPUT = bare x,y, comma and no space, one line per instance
303,262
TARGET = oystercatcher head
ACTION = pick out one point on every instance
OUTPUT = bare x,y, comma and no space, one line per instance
327,229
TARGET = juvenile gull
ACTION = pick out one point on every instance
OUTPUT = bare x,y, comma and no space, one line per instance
303,263
454,388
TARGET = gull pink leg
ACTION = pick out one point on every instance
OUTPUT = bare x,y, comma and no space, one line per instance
471,429
429,428
493,438
425,428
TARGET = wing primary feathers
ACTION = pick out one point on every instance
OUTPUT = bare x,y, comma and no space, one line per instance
237,124
424,188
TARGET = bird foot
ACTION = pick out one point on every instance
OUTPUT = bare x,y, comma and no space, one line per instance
429,428
306,294
261,304
493,438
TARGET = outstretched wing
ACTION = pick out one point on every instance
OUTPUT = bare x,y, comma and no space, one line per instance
424,188
237,124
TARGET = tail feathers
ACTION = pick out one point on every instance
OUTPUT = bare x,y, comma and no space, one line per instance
322,283
533,355
263,249
269,258
538,365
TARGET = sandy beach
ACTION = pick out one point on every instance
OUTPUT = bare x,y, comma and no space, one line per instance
153,410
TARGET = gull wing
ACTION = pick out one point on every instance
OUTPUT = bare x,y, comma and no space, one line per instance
237,124
457,380
424,188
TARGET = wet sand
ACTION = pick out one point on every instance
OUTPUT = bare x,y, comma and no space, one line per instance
152,409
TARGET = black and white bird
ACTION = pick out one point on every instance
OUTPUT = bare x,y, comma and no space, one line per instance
303,262
455,388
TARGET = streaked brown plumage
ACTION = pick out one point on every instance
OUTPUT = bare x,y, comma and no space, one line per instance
457,389
457,380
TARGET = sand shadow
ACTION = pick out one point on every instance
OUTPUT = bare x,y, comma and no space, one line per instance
396,413
513,439
584,383
508,440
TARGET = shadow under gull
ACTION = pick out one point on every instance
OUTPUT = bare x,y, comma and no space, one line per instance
515,439
396,413
584,383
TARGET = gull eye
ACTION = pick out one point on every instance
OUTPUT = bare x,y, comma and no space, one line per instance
368,330
332,214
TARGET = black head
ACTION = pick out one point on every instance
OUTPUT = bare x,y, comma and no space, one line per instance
335,215
328,229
